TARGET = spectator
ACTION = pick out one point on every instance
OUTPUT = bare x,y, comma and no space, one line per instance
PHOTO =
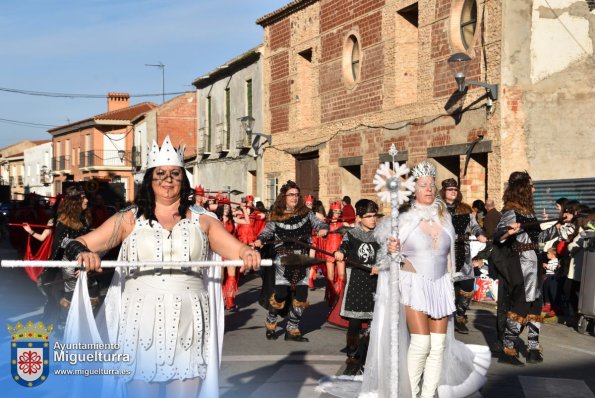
491,219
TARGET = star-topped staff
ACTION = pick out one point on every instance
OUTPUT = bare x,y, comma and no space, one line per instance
394,187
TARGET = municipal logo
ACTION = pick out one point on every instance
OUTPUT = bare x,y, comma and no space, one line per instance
30,353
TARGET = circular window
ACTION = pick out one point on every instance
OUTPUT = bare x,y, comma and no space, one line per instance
468,23
352,60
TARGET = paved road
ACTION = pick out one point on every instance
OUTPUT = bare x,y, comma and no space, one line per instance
255,367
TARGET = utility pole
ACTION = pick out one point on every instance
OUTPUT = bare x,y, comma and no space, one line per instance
160,65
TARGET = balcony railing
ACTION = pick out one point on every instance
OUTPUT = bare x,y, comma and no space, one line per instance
61,163
203,142
108,159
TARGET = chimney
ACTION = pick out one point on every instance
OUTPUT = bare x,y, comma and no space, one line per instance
117,101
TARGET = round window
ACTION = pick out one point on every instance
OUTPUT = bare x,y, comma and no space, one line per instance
352,59
468,22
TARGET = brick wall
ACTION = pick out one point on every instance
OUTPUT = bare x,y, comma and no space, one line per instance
177,117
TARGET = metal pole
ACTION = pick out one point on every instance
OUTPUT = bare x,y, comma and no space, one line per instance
162,66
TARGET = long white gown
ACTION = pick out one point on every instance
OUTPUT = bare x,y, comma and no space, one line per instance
169,321
385,374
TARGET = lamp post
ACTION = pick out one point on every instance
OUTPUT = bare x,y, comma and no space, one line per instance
458,64
121,154
248,125
160,65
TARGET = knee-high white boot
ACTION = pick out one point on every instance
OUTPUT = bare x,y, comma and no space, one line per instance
419,348
433,368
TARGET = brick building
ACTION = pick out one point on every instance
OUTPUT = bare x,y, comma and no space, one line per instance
345,79
176,118
100,147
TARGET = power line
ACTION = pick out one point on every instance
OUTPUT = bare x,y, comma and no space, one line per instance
71,95
26,124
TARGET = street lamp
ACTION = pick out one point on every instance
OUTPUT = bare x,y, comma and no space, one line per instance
248,125
121,154
458,64
160,65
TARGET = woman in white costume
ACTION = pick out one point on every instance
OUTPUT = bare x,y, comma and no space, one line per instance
421,325
162,316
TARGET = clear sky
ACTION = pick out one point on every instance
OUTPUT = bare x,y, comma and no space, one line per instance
98,46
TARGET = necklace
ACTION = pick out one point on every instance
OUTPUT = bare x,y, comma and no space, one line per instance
427,213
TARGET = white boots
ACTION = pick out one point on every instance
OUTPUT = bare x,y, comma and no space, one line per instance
419,348
433,365
425,357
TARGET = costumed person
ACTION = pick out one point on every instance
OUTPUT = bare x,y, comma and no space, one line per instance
317,243
235,223
465,225
348,210
73,220
515,254
257,217
50,291
167,319
359,246
260,219
335,269
412,333
290,220
199,196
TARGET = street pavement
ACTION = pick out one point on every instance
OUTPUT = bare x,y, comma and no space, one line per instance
258,368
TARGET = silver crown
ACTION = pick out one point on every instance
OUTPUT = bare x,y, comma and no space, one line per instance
423,169
166,155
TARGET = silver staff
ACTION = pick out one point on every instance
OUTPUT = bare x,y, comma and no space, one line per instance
392,189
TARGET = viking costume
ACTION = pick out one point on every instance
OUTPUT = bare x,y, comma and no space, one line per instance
517,261
464,279
358,246
282,230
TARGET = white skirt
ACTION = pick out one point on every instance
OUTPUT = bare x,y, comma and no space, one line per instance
433,297
164,327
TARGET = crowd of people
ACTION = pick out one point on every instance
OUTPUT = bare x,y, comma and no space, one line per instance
536,261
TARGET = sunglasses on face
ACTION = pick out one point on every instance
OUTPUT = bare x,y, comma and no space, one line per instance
174,175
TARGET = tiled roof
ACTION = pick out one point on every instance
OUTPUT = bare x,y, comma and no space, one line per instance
125,114
40,142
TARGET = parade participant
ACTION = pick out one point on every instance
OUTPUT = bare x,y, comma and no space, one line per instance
52,292
515,254
317,242
72,220
144,302
335,269
465,225
199,196
211,203
289,220
240,226
348,210
309,202
359,246
420,326
258,217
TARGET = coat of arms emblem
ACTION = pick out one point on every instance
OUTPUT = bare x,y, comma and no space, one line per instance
29,353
